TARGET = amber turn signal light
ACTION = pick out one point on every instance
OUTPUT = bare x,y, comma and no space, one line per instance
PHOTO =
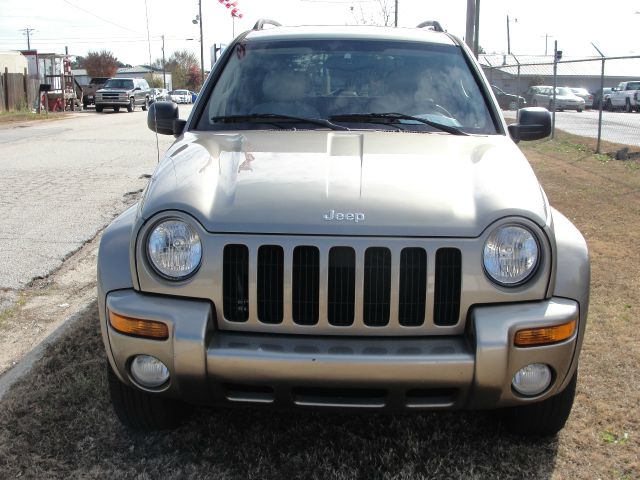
138,327
545,335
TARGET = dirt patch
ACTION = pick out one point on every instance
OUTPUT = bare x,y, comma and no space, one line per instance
57,422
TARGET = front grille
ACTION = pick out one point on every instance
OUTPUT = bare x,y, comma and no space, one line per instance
305,284
446,307
235,281
342,286
377,286
382,288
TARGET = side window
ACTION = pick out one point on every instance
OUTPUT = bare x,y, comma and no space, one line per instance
144,85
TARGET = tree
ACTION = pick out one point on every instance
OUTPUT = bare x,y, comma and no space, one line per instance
154,80
383,15
183,65
101,64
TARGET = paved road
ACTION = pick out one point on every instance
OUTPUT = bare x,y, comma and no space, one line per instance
62,181
617,127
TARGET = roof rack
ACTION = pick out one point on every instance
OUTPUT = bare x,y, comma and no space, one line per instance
265,21
435,26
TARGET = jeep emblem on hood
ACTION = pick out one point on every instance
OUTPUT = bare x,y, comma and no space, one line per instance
356,217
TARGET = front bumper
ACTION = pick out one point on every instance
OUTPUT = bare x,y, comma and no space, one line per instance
469,371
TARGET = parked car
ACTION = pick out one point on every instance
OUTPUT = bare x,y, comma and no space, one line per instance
624,96
89,91
301,246
123,92
601,96
542,95
584,94
181,96
159,94
508,101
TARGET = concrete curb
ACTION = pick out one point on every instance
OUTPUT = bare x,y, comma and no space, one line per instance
24,366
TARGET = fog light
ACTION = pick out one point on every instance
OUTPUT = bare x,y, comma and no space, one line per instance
148,371
532,379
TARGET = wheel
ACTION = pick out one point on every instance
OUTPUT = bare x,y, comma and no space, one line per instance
145,105
627,106
580,110
544,418
144,411
535,103
85,105
607,105
99,108
116,109
132,105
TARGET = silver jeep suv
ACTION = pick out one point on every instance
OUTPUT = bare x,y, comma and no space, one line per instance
344,220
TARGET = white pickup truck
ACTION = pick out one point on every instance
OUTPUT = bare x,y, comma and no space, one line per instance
625,95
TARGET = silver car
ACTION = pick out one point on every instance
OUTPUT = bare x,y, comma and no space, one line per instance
565,99
584,94
344,221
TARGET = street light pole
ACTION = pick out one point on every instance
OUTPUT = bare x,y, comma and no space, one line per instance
201,44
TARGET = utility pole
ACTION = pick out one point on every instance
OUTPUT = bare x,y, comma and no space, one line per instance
546,42
27,32
471,15
476,38
164,68
396,15
201,44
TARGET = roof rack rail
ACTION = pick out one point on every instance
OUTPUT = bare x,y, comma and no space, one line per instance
433,24
265,21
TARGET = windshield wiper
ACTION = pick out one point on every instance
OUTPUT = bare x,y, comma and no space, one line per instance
274,117
392,117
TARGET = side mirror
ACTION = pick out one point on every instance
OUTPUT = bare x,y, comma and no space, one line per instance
533,123
163,118
137,88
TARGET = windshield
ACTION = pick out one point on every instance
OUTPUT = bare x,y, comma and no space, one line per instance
323,79
564,91
119,83
580,91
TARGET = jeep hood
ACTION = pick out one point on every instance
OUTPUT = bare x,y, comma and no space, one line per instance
345,183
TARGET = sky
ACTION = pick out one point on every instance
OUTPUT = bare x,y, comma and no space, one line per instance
120,26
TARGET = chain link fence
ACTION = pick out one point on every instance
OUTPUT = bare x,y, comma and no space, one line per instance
609,87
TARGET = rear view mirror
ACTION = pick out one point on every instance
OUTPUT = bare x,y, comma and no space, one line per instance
533,123
163,118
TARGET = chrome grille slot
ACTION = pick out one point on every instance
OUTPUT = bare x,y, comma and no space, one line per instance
270,278
235,283
413,287
305,285
446,308
377,286
342,286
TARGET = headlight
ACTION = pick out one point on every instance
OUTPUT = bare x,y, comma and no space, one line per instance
174,249
510,255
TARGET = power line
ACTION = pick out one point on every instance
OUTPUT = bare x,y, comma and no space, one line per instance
99,17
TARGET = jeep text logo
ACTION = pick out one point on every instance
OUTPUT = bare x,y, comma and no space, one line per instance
356,217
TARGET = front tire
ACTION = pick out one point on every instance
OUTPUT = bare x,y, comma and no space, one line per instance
544,418
143,411
627,106
132,105
608,106
145,105
99,108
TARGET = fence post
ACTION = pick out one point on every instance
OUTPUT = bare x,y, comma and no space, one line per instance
601,99
555,84
6,88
